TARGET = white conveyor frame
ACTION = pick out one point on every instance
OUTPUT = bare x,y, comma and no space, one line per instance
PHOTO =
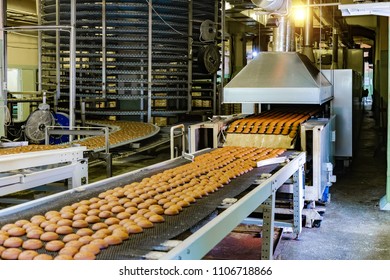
202,241
56,165
216,124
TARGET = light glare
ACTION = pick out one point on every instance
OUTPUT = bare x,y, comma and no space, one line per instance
299,14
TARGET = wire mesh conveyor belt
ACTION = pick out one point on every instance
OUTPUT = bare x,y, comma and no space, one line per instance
283,121
205,182
122,133
29,148
276,128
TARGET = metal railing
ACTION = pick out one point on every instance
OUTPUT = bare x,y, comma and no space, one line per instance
81,131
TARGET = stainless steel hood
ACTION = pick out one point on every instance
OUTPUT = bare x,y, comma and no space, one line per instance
279,77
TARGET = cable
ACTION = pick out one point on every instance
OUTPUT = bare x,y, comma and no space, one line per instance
170,26
7,116
17,134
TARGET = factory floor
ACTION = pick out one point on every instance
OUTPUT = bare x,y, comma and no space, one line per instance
353,226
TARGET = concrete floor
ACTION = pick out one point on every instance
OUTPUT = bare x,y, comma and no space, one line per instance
353,226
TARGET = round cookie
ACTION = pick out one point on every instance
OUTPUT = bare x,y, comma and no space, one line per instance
35,233
84,256
11,254
54,245
92,248
13,242
32,244
49,236
70,237
63,257
64,230
43,257
113,240
70,251
27,255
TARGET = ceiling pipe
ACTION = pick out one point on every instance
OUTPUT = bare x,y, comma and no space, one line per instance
290,40
270,6
280,36
335,49
308,33
282,31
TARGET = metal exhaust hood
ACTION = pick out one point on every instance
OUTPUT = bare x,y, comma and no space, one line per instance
279,78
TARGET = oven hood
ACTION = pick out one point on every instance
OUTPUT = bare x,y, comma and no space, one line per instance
279,78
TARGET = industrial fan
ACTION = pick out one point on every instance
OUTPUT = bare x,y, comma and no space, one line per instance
61,121
37,122
41,118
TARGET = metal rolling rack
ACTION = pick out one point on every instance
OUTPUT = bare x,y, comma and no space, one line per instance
132,57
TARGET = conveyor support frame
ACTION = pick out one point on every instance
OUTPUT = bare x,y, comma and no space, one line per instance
202,241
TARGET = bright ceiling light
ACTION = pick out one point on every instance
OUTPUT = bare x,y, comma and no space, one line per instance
299,14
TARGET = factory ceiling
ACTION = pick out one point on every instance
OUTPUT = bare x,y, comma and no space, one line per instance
327,17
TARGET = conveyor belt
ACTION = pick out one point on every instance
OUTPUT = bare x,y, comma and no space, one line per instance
283,121
122,133
30,148
276,128
140,244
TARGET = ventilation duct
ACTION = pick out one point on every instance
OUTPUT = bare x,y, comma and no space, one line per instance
270,5
308,33
279,78
279,10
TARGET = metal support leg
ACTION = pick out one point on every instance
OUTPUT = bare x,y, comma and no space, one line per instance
80,176
298,201
384,202
150,49
190,54
109,165
268,228
107,157
183,143
3,66
72,67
